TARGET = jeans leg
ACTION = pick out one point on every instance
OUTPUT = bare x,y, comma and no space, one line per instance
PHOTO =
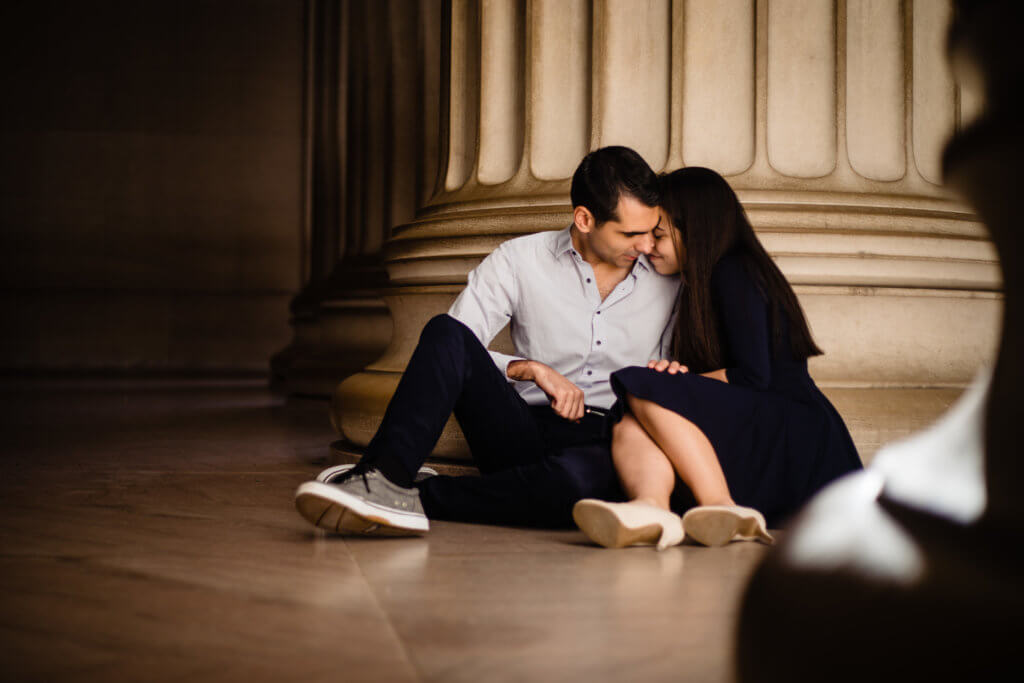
535,494
450,371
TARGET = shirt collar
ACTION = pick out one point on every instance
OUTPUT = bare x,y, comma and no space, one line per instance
562,244
642,264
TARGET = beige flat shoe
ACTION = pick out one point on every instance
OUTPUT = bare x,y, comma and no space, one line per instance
720,524
617,525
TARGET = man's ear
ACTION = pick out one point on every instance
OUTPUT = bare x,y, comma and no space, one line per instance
583,219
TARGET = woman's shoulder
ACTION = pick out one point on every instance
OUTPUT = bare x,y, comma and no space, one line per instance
732,273
733,262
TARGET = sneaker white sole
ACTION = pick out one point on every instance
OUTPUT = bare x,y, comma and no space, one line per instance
716,525
338,469
617,525
333,509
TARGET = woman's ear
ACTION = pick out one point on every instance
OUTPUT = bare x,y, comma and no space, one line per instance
583,219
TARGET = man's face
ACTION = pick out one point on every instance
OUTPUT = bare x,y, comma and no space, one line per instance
619,242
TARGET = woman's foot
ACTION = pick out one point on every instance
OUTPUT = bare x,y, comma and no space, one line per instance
720,524
617,525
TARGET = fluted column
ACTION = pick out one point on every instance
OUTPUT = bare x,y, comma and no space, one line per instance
828,118
320,179
369,65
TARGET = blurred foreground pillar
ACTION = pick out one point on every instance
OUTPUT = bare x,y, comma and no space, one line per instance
912,570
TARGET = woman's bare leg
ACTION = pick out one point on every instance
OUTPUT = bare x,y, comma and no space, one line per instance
644,470
687,448
648,478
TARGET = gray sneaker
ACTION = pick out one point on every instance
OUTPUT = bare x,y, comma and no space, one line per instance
332,474
362,501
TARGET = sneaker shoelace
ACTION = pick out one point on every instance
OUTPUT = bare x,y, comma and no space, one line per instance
360,469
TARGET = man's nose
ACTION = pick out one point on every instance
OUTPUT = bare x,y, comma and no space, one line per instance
645,245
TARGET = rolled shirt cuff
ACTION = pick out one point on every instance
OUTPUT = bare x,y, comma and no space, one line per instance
502,360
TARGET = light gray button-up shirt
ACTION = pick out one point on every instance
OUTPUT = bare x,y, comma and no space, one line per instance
543,287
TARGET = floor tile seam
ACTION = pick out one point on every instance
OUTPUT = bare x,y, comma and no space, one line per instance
58,469
103,565
406,655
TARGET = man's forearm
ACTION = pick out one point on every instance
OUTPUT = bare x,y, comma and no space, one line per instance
533,371
522,370
566,398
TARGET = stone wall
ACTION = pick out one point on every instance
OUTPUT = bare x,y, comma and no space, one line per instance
151,203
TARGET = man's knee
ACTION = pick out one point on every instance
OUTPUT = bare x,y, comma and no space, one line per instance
442,328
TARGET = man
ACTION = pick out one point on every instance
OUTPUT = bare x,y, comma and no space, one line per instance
582,302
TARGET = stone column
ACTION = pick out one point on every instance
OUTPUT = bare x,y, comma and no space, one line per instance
828,118
320,180
368,67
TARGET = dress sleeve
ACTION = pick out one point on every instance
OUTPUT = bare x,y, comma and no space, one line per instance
745,325
489,301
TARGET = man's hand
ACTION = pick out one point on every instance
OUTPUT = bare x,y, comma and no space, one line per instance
672,366
566,398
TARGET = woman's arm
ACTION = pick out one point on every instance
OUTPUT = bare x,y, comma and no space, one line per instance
745,325
717,374
673,367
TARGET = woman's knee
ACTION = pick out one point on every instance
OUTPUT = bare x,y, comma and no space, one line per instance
638,406
626,429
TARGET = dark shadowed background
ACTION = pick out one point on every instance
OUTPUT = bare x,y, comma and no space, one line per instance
151,178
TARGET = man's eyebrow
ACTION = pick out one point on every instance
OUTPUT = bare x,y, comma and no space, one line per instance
634,233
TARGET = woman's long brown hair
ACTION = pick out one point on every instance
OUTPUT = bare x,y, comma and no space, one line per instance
712,223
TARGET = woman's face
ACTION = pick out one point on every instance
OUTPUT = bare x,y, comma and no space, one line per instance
663,257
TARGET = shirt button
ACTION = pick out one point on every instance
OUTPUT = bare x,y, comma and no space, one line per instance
599,312
590,372
598,342
588,279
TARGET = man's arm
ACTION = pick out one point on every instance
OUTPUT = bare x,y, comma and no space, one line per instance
486,305
489,301
566,398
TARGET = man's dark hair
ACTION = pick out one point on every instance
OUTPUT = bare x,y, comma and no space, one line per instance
606,174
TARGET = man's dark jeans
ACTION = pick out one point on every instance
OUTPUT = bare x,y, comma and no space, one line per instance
534,464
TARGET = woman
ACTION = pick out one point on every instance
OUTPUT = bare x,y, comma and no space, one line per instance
736,416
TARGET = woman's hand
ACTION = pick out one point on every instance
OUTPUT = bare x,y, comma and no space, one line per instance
662,365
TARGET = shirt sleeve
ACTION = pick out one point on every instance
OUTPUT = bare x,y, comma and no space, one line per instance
745,325
489,302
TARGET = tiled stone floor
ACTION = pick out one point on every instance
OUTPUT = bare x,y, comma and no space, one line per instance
147,534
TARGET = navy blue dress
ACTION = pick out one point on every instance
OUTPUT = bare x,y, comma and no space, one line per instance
777,437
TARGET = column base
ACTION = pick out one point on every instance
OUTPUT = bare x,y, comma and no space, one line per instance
358,407
342,338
